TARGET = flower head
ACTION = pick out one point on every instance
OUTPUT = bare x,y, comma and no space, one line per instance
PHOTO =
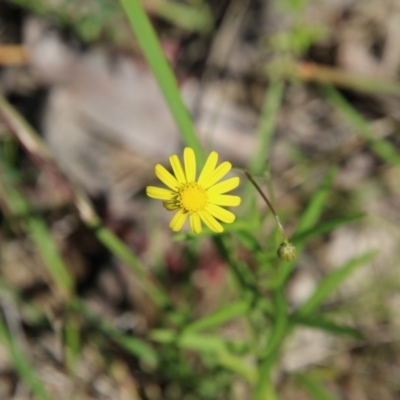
199,199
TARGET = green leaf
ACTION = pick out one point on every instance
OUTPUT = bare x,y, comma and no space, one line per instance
382,148
194,18
207,344
269,355
316,390
266,125
121,250
137,347
280,325
317,202
134,345
202,343
22,364
331,282
219,317
72,342
38,231
162,71
324,227
318,322
238,365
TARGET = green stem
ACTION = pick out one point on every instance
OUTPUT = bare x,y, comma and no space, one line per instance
162,71
270,206
265,389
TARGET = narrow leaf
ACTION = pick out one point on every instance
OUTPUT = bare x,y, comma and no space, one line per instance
134,345
382,148
324,227
219,317
331,282
314,210
316,390
22,364
318,322
38,231
151,48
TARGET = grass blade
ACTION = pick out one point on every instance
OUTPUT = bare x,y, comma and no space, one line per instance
318,322
316,390
324,227
162,71
265,130
194,17
136,346
208,344
219,317
328,285
380,147
38,231
22,365
236,364
264,387
314,210
312,72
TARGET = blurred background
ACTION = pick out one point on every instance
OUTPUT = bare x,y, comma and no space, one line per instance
75,72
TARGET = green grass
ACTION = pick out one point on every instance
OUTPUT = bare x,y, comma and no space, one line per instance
162,71
22,364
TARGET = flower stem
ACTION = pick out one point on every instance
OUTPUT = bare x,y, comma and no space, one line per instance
269,204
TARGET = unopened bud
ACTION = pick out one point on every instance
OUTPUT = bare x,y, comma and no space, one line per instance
287,251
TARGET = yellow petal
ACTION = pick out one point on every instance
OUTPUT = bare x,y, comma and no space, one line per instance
190,164
159,193
170,205
208,167
224,186
177,168
224,200
178,220
220,213
218,173
195,222
166,177
210,221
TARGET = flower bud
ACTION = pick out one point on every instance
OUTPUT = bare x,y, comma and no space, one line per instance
287,251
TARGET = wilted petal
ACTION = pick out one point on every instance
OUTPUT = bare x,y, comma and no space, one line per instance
170,205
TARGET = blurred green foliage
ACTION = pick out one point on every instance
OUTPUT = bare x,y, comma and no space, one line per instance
185,351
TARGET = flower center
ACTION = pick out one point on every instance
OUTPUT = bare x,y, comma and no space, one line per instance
192,197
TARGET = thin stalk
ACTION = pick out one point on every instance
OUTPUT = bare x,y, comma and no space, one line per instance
270,206
152,51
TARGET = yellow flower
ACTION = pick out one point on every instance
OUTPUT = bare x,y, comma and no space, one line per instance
201,200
